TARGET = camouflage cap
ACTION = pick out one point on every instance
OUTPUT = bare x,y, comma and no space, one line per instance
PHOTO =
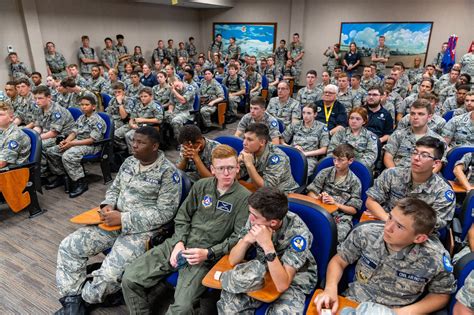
244,277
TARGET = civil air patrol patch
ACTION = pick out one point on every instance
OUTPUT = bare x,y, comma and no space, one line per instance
57,115
206,201
318,109
298,243
447,264
190,88
176,178
224,206
274,123
275,159
325,128
12,145
158,107
99,125
373,137
449,194
381,115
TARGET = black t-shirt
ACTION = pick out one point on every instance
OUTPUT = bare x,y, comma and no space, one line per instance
338,115
351,58
380,122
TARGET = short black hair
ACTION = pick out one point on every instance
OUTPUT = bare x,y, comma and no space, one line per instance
463,87
467,76
189,133
260,130
424,216
190,71
191,38
313,72
270,202
42,89
89,98
152,133
68,82
119,36
36,73
23,80
434,143
108,38
118,86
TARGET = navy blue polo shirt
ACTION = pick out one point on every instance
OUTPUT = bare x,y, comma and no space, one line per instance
149,81
338,115
380,122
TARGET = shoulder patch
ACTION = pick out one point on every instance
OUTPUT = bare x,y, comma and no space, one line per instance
274,159
373,137
449,194
298,243
325,128
12,145
274,123
176,178
190,88
447,264
158,106
99,125
319,109
57,115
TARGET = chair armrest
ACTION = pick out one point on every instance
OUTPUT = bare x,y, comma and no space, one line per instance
101,142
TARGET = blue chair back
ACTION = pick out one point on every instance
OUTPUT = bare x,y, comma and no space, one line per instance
448,115
197,103
264,82
233,141
185,185
35,151
359,169
467,211
454,155
298,163
462,269
219,80
226,92
281,126
105,99
322,226
75,112
247,88
109,125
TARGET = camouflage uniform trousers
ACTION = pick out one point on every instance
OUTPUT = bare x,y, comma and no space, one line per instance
234,102
298,68
312,162
151,268
290,302
367,308
45,146
119,137
343,226
206,113
89,241
69,161
177,120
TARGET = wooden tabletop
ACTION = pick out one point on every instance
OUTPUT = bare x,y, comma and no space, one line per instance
343,302
12,185
457,187
366,216
92,217
266,294
329,208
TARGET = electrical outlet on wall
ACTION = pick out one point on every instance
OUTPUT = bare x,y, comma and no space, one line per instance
10,48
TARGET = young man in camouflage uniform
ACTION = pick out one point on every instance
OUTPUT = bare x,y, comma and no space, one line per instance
415,180
258,114
79,79
65,158
17,68
143,197
281,54
217,46
380,56
310,93
211,93
263,162
272,73
396,263
120,106
87,56
282,242
233,51
123,54
134,88
195,152
338,185
464,171
181,103
191,48
109,56
344,94
14,144
55,61
52,121
206,228
235,83
459,131
97,83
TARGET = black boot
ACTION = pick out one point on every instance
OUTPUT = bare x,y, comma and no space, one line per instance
80,187
58,181
67,184
72,305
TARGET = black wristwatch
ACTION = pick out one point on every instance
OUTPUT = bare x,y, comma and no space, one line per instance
210,254
270,256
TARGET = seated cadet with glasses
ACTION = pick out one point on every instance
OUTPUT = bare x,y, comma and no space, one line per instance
400,267
206,228
418,181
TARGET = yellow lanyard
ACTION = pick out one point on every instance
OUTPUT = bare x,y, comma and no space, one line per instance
326,112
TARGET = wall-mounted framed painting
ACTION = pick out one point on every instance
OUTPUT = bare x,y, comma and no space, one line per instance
406,40
257,39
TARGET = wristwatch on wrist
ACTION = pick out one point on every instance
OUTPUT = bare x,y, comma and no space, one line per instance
270,256
210,254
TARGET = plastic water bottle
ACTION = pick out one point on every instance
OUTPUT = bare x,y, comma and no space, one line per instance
2,96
